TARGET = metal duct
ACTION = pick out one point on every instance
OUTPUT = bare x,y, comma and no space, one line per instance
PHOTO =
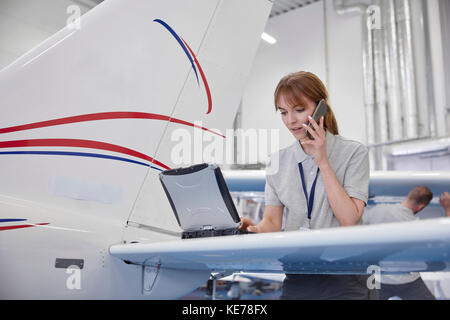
392,70
369,87
438,66
419,147
380,83
429,71
391,60
408,77
423,69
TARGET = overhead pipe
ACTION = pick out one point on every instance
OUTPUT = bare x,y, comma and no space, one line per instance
419,147
369,85
408,76
379,69
392,70
391,60
438,66
380,82
432,119
423,69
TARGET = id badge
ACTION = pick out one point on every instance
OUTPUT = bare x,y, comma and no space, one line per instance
307,228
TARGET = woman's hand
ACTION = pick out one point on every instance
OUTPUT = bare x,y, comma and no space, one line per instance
444,201
271,222
248,225
318,146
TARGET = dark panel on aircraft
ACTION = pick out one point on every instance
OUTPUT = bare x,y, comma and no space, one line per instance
66,263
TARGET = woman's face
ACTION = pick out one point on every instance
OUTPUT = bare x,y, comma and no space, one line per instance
294,116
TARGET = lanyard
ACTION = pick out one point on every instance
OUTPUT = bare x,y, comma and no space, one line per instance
310,201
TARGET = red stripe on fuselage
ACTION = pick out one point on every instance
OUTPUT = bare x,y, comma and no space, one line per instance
23,226
208,92
100,116
79,144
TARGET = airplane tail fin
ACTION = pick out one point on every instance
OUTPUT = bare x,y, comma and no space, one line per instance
89,115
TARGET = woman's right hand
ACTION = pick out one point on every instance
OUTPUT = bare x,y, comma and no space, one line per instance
248,225
271,222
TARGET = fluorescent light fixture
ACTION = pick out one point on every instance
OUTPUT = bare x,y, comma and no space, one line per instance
268,38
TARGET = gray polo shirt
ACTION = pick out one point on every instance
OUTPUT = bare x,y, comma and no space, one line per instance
349,161
384,213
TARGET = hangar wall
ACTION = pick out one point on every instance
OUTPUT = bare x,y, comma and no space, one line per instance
301,46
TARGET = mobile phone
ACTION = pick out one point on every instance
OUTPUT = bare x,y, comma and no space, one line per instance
320,111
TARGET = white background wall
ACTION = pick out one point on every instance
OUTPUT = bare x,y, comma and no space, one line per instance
301,46
26,23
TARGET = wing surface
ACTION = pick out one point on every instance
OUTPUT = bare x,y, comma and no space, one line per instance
422,245
382,184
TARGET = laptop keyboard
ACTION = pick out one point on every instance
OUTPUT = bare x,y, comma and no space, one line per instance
212,233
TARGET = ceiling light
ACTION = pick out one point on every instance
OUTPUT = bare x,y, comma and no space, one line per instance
268,38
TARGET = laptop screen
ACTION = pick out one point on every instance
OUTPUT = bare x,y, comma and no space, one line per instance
200,198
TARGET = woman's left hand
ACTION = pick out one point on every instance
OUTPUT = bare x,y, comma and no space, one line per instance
318,146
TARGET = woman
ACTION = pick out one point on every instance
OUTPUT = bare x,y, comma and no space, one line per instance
322,183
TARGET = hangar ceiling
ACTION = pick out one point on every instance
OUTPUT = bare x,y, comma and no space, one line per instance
279,6
283,6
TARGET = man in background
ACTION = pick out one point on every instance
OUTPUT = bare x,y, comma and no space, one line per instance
408,286
417,199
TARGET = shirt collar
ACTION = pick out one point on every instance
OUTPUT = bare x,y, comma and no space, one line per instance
301,156
407,210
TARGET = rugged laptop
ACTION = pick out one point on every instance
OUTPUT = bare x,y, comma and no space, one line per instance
201,201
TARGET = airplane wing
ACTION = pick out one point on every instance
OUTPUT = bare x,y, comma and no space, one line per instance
384,186
420,246
382,183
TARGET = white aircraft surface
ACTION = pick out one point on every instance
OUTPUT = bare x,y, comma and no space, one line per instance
86,126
